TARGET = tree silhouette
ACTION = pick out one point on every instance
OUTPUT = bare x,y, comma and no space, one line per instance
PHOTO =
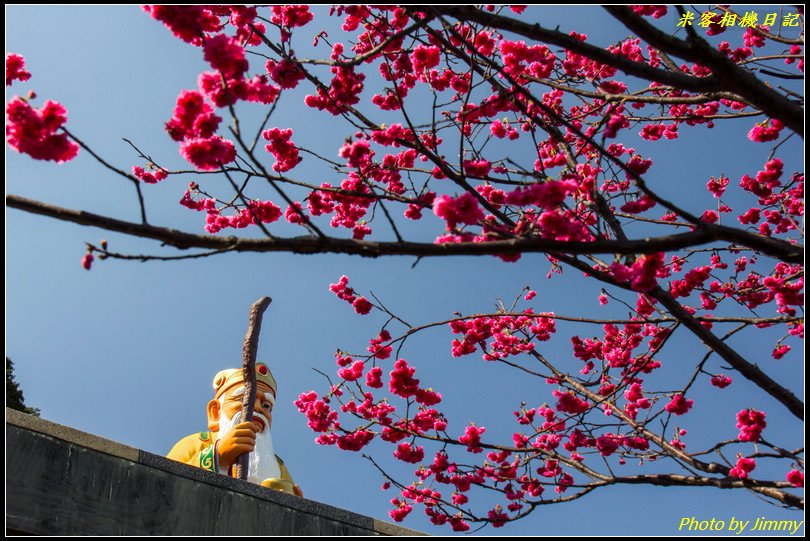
474,131
14,395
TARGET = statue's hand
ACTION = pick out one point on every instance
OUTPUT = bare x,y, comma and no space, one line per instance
237,441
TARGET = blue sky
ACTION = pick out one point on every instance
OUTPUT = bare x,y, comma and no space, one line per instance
128,350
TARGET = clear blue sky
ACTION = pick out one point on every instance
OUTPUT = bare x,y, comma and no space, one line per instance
128,350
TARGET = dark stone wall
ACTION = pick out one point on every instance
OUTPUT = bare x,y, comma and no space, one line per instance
60,481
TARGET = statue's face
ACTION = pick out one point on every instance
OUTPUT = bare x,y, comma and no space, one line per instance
263,408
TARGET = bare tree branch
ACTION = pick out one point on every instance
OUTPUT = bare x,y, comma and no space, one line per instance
313,245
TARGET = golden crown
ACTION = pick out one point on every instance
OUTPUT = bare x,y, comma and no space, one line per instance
226,379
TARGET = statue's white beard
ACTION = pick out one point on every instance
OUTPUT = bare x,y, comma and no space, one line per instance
262,461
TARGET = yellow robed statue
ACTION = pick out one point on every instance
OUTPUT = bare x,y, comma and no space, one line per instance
227,437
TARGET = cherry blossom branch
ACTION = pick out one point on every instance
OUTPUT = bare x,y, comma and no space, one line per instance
389,196
554,37
707,356
766,245
240,195
654,321
114,169
601,205
104,254
672,451
371,53
309,225
748,114
773,37
766,488
640,428
761,243
325,244
725,72
748,369
638,97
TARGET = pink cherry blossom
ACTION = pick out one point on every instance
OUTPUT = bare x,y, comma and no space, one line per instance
15,65
568,403
458,523
208,153
762,133
409,453
374,378
189,23
193,117
376,347
285,73
402,382
226,56
425,57
717,186
655,11
743,468
355,441
149,177
291,15
400,512
342,290
343,92
477,168
362,305
352,373
462,209
282,148
751,424
679,405
472,438
34,131
780,351
321,417
358,154
795,478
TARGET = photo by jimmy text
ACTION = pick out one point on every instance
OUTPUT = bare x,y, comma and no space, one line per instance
740,525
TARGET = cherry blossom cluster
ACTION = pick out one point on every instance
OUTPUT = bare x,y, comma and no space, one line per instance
552,430
282,148
743,467
193,117
36,131
194,123
32,131
510,335
15,69
751,424
149,177
641,275
344,292
523,141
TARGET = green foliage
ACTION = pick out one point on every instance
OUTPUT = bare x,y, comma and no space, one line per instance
14,395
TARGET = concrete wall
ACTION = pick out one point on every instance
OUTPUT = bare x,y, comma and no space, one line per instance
63,481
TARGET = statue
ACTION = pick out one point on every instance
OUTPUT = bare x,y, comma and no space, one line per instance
218,449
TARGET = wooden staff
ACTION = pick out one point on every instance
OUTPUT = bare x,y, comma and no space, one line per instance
249,372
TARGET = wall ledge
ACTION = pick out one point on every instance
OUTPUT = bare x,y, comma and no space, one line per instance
62,481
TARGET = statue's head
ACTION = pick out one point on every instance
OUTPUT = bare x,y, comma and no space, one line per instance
225,412
229,389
